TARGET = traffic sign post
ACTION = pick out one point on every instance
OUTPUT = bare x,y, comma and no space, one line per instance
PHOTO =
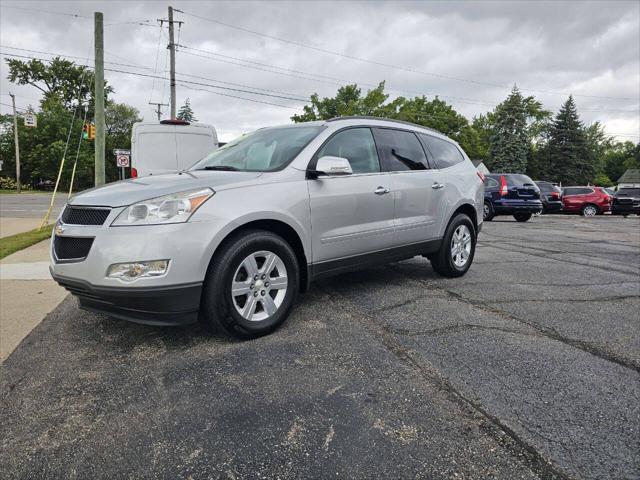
122,160
30,119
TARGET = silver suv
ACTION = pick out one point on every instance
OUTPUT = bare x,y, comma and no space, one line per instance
235,238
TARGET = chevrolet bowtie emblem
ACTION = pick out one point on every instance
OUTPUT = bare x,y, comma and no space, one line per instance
59,229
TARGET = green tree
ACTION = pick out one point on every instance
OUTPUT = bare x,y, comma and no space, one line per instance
509,143
119,120
71,83
569,156
619,157
436,113
186,112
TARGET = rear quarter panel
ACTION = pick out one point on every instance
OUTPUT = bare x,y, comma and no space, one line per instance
463,187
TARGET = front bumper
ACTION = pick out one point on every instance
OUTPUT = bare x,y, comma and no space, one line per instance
625,209
169,305
554,207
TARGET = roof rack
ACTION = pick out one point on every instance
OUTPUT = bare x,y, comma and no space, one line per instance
370,117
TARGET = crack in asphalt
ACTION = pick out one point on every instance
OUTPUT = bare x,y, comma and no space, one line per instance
549,332
518,446
545,256
455,328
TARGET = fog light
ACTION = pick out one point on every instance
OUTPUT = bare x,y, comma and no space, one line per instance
129,272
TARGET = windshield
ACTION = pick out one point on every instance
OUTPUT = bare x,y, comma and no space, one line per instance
264,150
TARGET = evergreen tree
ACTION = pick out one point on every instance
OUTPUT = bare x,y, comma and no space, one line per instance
186,113
509,142
569,157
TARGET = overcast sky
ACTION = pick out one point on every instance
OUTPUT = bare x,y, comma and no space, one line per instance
468,53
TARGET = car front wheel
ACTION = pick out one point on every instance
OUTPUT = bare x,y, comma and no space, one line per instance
455,255
251,285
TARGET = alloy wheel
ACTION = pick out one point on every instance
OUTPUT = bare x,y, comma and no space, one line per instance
590,211
259,285
461,246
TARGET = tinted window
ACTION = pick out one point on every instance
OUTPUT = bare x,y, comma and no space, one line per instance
490,183
445,153
263,150
400,150
357,146
577,191
545,187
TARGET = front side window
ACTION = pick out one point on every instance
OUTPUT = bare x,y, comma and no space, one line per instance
446,154
357,146
400,150
264,150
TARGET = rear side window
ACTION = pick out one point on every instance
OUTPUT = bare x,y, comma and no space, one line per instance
399,150
357,146
446,154
577,191
490,183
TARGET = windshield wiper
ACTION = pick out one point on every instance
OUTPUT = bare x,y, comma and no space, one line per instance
225,168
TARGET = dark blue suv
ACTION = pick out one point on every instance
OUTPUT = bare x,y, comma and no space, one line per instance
510,194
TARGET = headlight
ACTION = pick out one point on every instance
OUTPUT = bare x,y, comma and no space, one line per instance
174,208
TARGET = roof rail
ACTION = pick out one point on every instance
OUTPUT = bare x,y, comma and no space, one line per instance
371,117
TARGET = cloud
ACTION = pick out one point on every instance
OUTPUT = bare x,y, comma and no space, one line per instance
468,53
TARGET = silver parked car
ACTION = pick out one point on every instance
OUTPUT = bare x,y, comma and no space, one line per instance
235,238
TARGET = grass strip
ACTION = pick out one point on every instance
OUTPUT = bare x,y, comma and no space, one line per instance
14,243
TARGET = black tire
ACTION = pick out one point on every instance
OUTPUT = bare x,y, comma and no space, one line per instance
488,212
217,310
442,262
522,216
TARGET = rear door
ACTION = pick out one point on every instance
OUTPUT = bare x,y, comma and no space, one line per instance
351,214
574,198
417,204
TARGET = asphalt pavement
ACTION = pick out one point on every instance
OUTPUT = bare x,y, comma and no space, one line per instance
30,205
527,367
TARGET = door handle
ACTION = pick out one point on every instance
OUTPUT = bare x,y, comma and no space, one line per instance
437,186
381,190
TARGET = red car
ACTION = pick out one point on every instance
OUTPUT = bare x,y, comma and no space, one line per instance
588,201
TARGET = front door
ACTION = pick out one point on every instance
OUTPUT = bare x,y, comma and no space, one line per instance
351,214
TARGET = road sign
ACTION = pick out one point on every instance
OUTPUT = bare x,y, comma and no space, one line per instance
120,151
122,160
30,119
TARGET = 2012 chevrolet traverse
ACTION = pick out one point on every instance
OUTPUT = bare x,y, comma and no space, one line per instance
235,238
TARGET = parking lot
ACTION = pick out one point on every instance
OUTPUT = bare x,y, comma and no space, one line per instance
527,367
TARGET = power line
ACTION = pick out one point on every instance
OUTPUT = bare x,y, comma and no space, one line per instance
306,75
48,11
240,98
70,56
388,65
284,97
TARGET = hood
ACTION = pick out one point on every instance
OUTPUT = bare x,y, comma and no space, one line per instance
127,192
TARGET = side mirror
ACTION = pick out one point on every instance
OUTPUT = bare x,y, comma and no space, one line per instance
331,166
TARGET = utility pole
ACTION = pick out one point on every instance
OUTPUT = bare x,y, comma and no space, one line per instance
172,56
172,64
159,106
99,99
15,136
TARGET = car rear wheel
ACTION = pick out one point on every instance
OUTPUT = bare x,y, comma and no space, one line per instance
458,248
589,210
487,212
251,285
522,216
